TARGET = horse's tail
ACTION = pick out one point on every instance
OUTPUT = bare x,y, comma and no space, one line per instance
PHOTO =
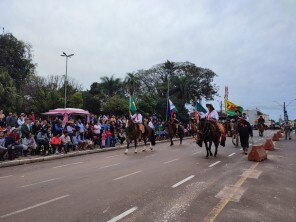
223,134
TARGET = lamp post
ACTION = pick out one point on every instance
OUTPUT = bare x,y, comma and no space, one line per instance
67,56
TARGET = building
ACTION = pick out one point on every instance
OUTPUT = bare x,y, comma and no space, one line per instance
253,115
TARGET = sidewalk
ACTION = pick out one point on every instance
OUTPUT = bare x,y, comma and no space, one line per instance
34,159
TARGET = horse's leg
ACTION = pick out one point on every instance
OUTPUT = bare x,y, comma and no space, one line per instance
127,146
210,148
171,138
145,142
136,151
216,143
207,149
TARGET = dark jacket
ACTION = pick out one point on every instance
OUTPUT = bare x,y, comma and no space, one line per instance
244,128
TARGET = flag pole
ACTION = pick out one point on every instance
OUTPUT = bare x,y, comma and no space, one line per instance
166,114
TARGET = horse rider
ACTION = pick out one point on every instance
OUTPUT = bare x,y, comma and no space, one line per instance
138,119
175,121
261,120
211,114
245,130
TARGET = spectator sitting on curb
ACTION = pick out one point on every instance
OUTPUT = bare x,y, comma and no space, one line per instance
56,143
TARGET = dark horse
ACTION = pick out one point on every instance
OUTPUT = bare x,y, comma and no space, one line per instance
171,130
210,132
133,134
261,129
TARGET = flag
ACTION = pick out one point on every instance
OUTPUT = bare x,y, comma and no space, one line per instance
200,108
171,109
132,106
230,108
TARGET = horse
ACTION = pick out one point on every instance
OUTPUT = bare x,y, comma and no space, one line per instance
261,129
211,132
133,133
171,130
192,129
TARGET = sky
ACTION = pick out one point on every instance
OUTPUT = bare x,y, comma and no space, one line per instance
249,44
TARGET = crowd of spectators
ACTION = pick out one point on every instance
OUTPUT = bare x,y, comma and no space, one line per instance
22,135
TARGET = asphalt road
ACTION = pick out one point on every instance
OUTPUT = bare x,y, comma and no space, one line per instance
167,184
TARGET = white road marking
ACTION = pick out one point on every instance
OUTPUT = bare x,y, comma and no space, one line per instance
34,206
183,181
6,176
67,165
118,178
195,153
45,181
103,167
124,214
214,164
231,154
170,161
114,156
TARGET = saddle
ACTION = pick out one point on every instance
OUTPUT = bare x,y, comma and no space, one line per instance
141,127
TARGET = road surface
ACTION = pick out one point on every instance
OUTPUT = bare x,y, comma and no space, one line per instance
167,184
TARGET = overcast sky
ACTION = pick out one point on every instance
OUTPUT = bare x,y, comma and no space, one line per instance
249,44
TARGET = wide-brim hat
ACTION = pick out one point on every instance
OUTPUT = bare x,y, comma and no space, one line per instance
13,128
210,105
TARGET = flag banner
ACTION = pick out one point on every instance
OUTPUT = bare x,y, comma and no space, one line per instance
200,108
132,106
230,108
171,108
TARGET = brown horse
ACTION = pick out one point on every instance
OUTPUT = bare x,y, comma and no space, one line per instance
211,132
193,128
171,130
133,134
261,129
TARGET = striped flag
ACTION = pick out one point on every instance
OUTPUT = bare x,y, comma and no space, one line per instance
171,108
132,106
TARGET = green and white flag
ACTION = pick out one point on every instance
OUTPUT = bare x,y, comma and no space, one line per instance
132,106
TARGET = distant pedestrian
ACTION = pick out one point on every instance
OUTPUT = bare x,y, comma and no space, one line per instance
287,128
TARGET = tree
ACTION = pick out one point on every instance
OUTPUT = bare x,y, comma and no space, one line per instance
132,83
186,81
16,57
110,86
116,105
9,98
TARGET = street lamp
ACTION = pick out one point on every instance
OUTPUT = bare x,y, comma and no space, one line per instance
67,56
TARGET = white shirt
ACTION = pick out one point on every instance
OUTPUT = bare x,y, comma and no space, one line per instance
137,117
210,115
150,124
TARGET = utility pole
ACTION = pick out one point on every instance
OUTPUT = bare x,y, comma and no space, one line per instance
286,118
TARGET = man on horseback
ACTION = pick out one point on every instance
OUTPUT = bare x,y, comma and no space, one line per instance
175,122
138,119
261,121
213,116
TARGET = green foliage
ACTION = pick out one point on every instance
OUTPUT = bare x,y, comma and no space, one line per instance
8,93
116,105
91,102
16,57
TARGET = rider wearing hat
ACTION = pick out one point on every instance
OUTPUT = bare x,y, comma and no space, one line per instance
211,114
138,119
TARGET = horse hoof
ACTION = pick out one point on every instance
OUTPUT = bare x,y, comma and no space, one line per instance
136,152
144,150
151,148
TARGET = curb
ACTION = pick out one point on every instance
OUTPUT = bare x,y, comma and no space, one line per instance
72,154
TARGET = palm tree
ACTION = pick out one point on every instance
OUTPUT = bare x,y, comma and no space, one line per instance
132,83
111,86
